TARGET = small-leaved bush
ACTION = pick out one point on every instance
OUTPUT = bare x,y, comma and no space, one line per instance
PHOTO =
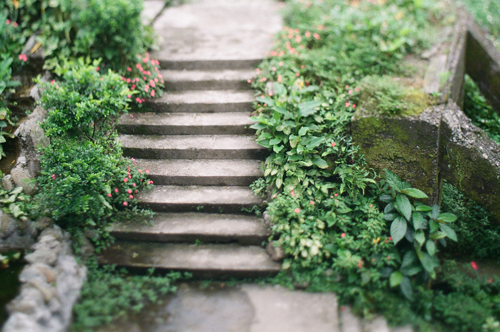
83,184
84,103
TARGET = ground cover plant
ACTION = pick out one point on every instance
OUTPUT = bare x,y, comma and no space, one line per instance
486,13
479,111
344,229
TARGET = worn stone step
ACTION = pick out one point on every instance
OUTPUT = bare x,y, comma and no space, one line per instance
191,147
179,80
232,199
204,172
210,64
192,227
208,101
206,260
232,123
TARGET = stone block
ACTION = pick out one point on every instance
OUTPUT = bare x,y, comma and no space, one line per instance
408,146
470,160
7,183
22,178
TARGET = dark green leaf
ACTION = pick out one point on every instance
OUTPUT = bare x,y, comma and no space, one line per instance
406,288
423,208
408,259
428,263
390,216
418,220
389,208
411,270
386,198
431,247
435,211
438,235
420,237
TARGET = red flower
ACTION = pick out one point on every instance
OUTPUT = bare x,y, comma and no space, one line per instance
333,144
109,195
131,197
125,180
474,265
116,190
125,203
360,264
129,191
342,235
297,210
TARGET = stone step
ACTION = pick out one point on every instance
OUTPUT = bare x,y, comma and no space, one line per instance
180,80
231,199
204,172
232,123
209,64
205,260
190,227
191,147
209,101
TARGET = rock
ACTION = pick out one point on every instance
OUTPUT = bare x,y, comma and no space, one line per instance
86,247
267,219
45,256
54,231
21,322
22,178
7,183
48,272
46,291
27,302
8,225
42,223
277,253
34,167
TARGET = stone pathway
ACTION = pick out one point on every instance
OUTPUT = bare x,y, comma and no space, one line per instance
201,155
198,146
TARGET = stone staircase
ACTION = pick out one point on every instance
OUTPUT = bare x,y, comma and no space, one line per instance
201,155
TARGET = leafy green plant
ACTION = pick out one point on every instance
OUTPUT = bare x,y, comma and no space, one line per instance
479,111
84,104
82,184
15,202
421,225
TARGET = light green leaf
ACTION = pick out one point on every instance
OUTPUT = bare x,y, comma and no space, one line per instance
393,180
449,232
446,217
315,141
428,263
420,236
404,205
438,235
423,208
389,208
411,270
395,278
321,163
431,247
418,220
308,108
408,259
398,229
415,193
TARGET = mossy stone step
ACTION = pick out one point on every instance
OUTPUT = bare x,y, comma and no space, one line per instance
231,123
203,172
191,226
204,260
231,199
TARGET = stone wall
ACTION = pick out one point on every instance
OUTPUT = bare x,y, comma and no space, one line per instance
51,284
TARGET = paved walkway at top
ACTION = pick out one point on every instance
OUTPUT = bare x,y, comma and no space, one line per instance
209,30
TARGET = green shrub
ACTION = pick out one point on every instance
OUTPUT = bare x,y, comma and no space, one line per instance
84,104
82,184
477,230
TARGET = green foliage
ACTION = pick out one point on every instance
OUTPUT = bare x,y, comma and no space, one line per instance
15,202
487,13
479,111
109,294
381,94
477,230
83,184
107,29
84,104
422,227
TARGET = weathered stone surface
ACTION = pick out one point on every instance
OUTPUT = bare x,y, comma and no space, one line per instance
31,134
470,160
408,146
22,178
483,64
152,8
8,225
27,302
189,227
453,88
34,167
7,183
206,260
378,324
277,253
349,322
22,322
